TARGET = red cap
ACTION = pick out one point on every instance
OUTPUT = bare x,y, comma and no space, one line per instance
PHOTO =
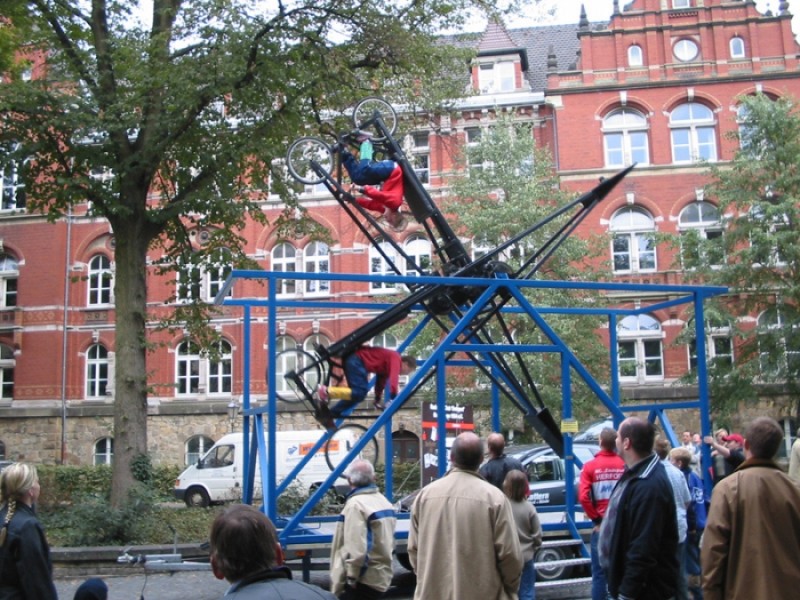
734,437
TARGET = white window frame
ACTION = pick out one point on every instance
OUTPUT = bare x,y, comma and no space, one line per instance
317,260
685,50
627,128
771,320
190,455
103,451
285,363
283,259
419,249
641,333
635,226
12,186
737,48
702,217
420,155
697,131
8,364
98,369
497,77
379,266
9,280
635,55
714,336
681,3
100,291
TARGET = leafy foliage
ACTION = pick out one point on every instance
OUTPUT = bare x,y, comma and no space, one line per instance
184,116
757,256
506,187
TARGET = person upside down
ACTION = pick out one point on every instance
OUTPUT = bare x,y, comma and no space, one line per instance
387,364
366,173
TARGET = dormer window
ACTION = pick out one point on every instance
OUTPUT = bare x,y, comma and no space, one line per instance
496,77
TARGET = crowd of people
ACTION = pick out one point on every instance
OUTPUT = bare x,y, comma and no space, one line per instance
474,534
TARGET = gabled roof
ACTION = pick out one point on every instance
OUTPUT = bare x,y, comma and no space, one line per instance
535,44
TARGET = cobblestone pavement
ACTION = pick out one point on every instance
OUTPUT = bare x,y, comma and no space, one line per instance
199,585
202,585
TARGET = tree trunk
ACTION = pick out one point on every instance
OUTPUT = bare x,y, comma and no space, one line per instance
130,385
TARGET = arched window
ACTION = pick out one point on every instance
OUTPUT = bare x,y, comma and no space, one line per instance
639,351
693,133
379,266
7,364
418,249
633,246
101,281
779,342
204,277
220,371
195,447
9,274
316,259
405,447
719,344
313,341
284,260
737,47
198,375
104,451
625,138
384,340
635,56
285,362
701,234
96,371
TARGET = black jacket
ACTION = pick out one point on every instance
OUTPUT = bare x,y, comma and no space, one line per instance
643,558
494,471
26,572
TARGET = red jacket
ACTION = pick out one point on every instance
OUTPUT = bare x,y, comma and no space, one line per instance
390,195
598,478
385,364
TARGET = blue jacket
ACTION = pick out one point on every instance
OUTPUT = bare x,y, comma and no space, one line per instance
696,514
643,556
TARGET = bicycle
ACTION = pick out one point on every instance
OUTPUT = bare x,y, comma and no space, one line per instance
302,373
311,160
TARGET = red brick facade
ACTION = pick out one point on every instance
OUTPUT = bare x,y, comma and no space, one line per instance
52,327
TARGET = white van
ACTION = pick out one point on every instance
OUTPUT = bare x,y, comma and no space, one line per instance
217,476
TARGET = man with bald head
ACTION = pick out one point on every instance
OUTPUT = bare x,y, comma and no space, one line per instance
499,463
463,540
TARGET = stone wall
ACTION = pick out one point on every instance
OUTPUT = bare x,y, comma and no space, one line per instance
36,437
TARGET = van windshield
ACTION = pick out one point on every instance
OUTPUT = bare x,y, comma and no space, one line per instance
221,456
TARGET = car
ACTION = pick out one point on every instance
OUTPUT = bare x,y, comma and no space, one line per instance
546,473
4,464
592,432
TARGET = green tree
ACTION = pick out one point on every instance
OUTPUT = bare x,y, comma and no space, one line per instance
504,187
187,112
758,254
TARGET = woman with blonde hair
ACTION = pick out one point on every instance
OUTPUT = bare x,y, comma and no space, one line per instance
26,572
515,486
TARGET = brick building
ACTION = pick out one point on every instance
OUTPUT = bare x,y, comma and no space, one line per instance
658,84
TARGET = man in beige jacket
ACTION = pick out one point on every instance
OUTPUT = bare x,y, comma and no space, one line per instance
463,541
361,553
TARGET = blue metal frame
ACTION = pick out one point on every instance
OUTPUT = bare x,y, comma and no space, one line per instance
300,528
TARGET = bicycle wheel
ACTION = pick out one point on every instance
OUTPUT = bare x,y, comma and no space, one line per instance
302,152
365,110
305,365
344,439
